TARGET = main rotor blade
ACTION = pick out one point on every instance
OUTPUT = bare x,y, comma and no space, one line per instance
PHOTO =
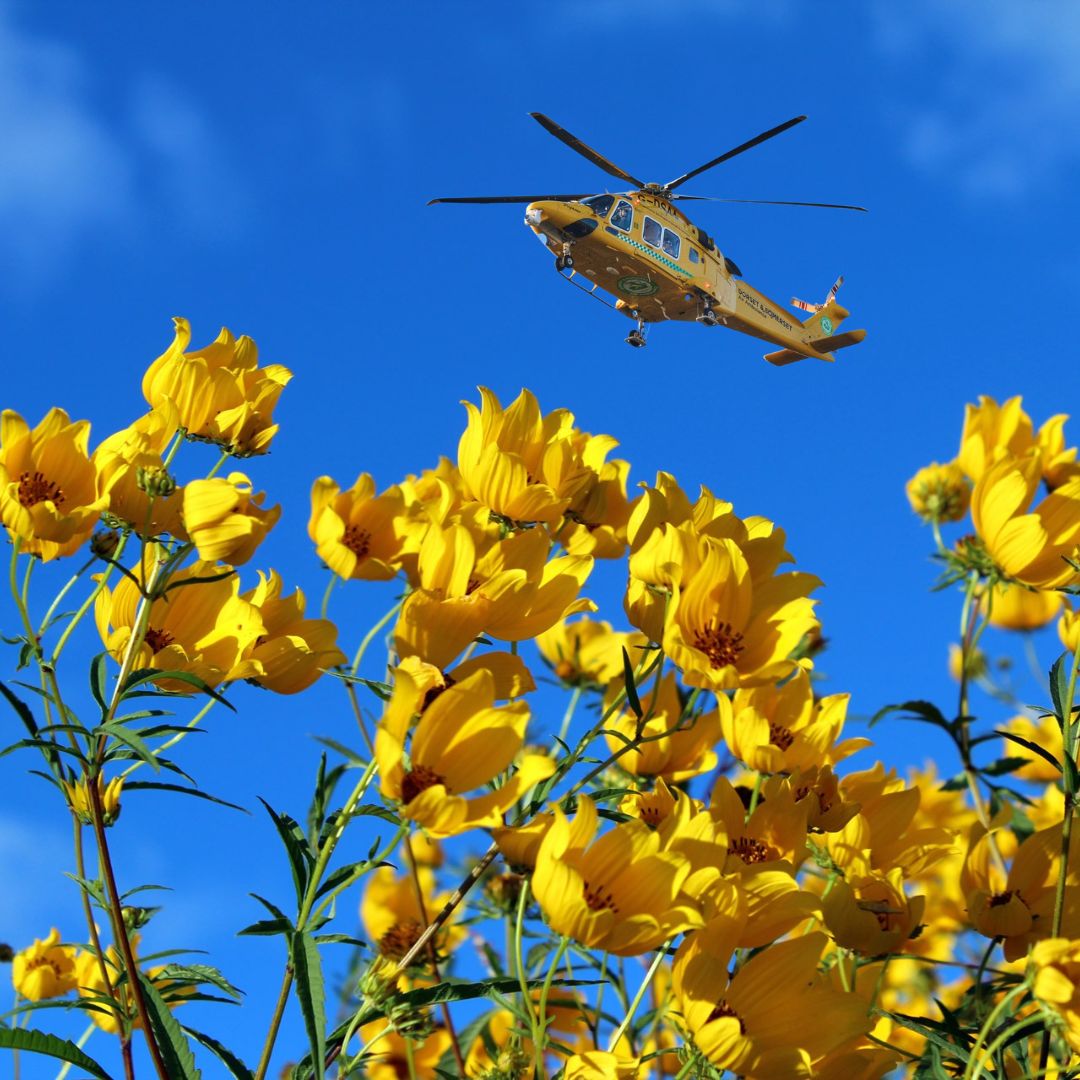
511,198
769,202
585,151
756,141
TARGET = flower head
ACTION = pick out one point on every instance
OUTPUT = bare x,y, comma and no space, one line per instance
45,969
224,520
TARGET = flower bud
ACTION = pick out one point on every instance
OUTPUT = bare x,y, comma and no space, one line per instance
155,481
939,492
104,542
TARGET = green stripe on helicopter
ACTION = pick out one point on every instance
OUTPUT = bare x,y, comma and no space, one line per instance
671,265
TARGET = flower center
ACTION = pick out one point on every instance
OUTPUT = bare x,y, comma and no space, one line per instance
158,639
651,814
34,488
400,938
600,899
722,1010
720,643
434,691
43,961
780,736
751,851
357,540
1000,899
417,780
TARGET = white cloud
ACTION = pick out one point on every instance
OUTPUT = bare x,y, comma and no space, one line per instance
1003,85
70,171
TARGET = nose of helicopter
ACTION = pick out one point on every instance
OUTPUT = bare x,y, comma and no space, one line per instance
562,214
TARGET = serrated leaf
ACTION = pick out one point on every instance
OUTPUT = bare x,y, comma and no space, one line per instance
168,1034
928,1029
272,908
198,974
227,1058
38,1042
1005,766
631,685
1059,685
296,847
134,742
307,971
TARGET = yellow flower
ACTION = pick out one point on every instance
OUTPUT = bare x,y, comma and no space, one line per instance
827,809
78,798
200,628
131,471
394,918
520,844
732,628
676,756
587,652
1029,545
45,969
461,743
504,457
1044,733
224,520
291,652
939,492
1059,461
1056,964
780,729
992,432
510,592
600,1065
91,985
620,893
359,534
775,1017
774,832
1069,627
220,394
1012,607
872,914
388,1058
595,521
48,486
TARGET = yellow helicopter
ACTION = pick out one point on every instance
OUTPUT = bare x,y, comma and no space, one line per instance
643,250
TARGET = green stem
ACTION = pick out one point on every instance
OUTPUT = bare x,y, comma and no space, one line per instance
354,667
84,1038
101,584
519,954
217,468
191,725
540,1028
1003,1038
365,1049
568,716
974,1065
653,968
58,599
324,607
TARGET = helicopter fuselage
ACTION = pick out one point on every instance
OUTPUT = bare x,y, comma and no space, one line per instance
642,250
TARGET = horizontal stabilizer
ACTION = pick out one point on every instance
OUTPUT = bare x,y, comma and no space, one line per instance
838,341
783,357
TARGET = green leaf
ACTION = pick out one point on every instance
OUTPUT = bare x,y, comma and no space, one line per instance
99,681
929,1030
350,755
914,710
131,740
631,685
1004,766
223,1054
197,975
180,789
296,847
168,1034
339,939
307,970
266,928
1059,685
1027,744
153,676
37,1042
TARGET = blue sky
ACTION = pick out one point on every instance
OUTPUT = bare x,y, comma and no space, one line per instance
266,167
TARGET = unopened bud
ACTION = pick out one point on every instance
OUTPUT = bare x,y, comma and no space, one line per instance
378,984
939,492
7,953
103,543
135,918
410,1022
504,890
155,481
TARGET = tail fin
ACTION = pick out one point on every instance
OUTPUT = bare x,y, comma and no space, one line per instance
823,323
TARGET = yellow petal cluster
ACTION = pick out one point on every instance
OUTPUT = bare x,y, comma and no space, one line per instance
224,520
45,969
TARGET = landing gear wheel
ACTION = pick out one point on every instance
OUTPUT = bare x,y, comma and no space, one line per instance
564,262
636,338
708,316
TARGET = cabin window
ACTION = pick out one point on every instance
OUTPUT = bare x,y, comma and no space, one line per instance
672,243
623,217
652,232
600,204
694,257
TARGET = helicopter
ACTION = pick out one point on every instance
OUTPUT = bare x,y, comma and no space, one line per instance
639,247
